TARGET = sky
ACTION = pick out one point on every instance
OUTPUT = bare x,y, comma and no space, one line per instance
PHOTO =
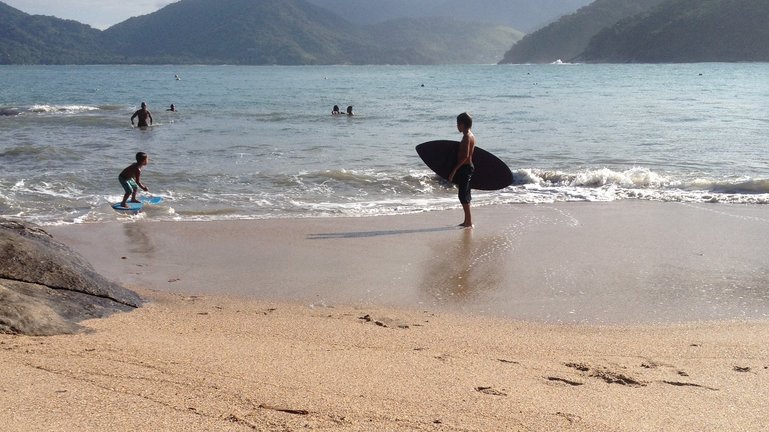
96,13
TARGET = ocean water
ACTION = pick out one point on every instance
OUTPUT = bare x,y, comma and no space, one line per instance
259,142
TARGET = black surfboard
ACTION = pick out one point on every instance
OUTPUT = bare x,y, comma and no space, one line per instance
490,172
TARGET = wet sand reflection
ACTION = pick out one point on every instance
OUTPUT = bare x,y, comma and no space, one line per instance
137,239
466,267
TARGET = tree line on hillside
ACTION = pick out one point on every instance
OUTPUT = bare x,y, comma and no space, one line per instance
687,31
652,31
300,32
290,32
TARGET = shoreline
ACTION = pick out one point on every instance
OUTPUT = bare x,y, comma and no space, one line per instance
595,263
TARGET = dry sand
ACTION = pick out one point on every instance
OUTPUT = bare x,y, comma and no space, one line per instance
404,323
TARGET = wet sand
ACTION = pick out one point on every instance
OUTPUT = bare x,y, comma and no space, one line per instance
597,263
407,323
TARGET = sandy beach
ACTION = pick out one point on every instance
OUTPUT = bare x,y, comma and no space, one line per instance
624,316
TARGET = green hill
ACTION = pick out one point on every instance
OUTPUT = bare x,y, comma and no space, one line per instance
36,39
296,32
569,36
238,32
289,32
688,31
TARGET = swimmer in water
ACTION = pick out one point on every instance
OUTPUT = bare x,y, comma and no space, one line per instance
143,115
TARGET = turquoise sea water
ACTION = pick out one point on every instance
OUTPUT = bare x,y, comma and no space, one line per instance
259,142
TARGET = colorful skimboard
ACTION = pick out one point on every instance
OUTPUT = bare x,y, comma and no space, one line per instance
151,200
490,172
134,208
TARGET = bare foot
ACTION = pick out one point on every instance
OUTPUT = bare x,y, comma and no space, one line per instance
124,205
466,225
134,201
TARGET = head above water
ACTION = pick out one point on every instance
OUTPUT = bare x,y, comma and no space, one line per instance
465,119
141,158
144,105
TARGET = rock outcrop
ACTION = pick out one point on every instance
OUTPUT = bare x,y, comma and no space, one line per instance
46,288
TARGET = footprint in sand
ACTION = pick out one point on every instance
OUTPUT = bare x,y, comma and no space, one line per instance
607,375
385,322
490,391
565,381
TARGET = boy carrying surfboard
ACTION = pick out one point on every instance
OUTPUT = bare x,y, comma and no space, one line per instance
463,170
130,179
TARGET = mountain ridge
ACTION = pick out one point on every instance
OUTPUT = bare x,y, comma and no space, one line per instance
524,15
687,31
567,38
652,31
289,32
28,38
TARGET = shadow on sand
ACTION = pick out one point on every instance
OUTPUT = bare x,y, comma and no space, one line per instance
364,234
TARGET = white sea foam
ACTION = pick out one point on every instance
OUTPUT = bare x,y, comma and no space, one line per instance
61,109
252,142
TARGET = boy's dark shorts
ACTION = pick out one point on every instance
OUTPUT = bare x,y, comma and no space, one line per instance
462,179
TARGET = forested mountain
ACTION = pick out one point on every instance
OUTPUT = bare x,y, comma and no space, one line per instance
240,32
248,32
526,15
298,32
39,39
569,36
688,31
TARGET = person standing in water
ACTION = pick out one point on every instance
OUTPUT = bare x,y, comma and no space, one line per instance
131,179
143,113
464,168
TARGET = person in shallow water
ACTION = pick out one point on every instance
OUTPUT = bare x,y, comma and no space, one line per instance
463,170
130,178
349,110
143,113
335,110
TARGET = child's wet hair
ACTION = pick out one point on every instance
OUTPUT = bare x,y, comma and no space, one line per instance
141,156
465,119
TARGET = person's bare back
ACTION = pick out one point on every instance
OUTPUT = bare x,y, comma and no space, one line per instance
132,172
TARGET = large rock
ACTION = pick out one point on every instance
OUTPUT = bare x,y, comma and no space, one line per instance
46,288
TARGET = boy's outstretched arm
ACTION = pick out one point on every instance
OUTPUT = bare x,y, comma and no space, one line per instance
139,181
